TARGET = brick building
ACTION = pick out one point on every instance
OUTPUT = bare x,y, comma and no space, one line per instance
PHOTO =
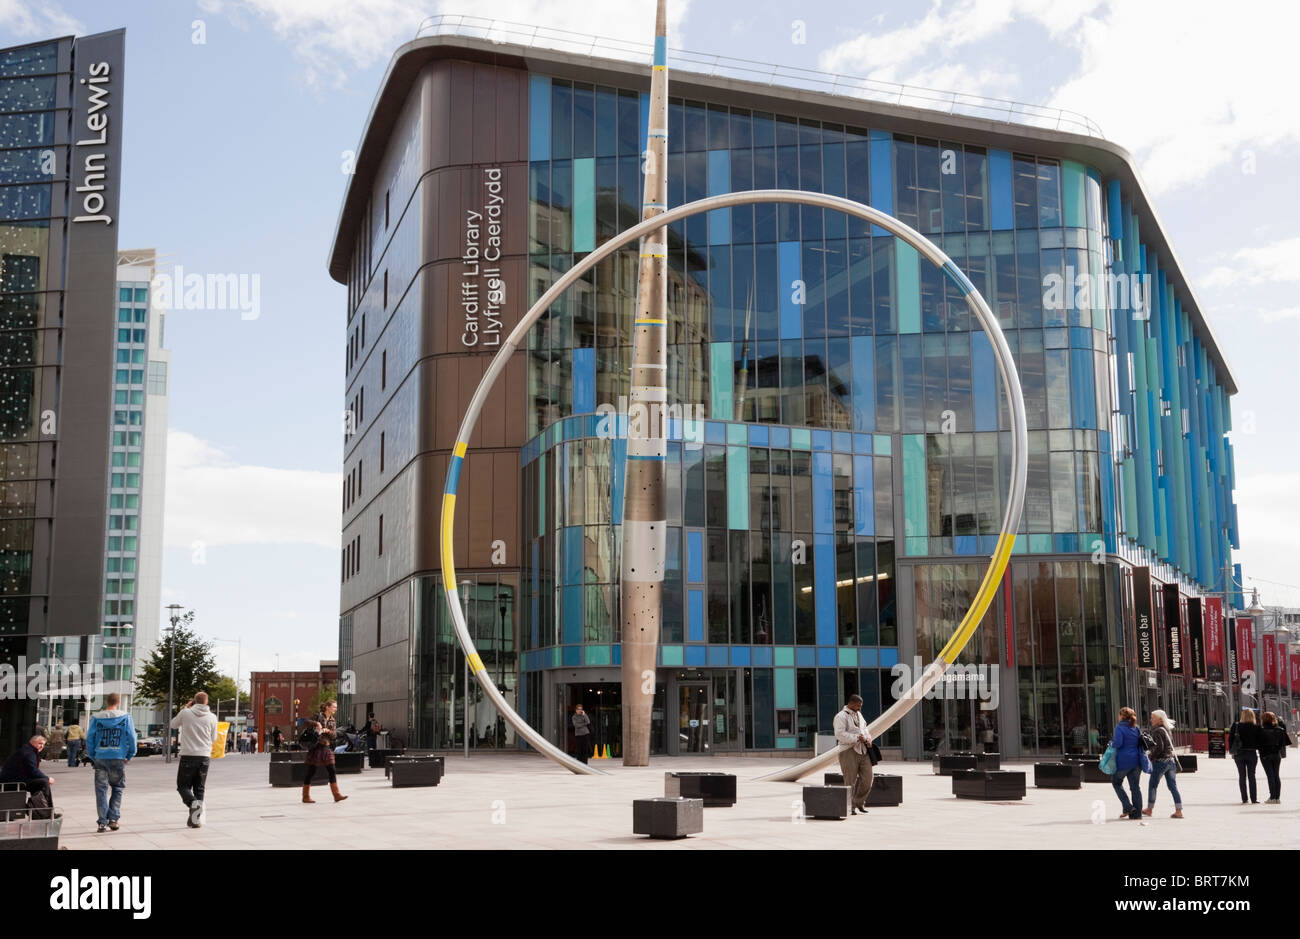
280,698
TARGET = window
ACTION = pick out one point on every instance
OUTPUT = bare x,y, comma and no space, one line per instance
381,451
385,290
379,622
359,462
157,378
386,194
363,330
381,536
383,370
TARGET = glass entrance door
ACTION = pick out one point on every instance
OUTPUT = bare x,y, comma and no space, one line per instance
694,710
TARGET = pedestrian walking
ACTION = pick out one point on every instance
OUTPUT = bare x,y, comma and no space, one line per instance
252,742
24,766
1243,744
198,730
321,754
1164,763
75,739
1273,742
1127,741
275,738
855,762
581,733
54,743
110,744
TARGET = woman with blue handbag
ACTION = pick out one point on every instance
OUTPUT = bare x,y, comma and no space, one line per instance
1127,743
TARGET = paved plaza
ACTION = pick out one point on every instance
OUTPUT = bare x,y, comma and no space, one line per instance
523,801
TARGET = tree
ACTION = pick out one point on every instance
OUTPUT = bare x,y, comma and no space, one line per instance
329,693
223,690
195,666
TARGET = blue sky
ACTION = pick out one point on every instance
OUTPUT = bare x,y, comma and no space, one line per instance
233,156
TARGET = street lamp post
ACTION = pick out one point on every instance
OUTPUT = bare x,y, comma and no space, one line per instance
173,613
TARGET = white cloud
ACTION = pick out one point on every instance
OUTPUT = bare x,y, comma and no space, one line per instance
213,500
1183,86
333,35
1273,316
37,20
1268,516
1275,262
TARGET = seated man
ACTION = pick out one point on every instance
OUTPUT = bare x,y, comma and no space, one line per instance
25,767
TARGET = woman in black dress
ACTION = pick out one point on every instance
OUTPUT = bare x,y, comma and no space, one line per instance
322,752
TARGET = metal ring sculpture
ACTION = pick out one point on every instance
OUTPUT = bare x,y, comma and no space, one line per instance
1010,519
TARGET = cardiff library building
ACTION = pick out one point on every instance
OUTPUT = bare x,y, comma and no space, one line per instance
839,441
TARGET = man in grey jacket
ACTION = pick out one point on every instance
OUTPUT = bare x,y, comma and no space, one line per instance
198,727
855,762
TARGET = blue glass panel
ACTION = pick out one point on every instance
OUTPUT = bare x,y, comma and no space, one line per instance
740,655
781,438
788,272
861,443
719,183
843,441
1083,396
717,655
824,588
762,656
984,380
821,439
888,657
864,383
695,655
881,171
1002,208
645,127
539,117
695,615
572,600
571,655
965,544
805,656
868,657
826,657
584,381
757,435
695,557
572,548
715,432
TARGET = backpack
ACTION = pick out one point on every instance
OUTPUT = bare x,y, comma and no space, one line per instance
40,806
308,736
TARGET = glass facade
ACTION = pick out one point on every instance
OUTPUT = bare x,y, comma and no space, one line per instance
855,445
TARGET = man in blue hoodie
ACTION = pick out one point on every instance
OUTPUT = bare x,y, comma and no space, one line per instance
110,743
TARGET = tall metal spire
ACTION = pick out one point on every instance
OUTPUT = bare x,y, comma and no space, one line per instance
644,522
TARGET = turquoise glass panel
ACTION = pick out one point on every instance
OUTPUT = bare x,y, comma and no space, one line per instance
584,205
721,372
909,287
738,488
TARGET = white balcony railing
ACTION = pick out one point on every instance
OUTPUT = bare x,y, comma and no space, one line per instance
868,89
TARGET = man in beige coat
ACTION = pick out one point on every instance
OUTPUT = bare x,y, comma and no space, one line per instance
855,762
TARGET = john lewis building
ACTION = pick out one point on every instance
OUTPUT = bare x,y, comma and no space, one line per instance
833,513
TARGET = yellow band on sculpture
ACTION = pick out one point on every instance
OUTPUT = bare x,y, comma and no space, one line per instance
988,590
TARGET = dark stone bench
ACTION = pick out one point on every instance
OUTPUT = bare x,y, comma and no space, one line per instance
990,785
667,818
1187,762
288,756
441,761
716,789
406,773
827,801
945,764
378,757
886,789
988,761
1058,775
1091,763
